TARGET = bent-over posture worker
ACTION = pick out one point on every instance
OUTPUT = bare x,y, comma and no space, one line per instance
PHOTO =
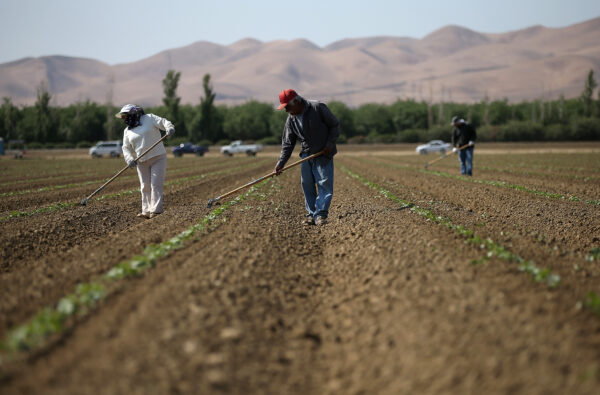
142,131
464,133
317,128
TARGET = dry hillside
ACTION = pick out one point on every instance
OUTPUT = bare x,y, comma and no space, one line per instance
452,63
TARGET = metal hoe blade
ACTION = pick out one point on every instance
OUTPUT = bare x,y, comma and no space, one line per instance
213,201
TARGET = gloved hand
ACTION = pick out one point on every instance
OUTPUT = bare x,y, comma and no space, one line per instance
454,149
132,163
471,143
327,150
171,132
277,169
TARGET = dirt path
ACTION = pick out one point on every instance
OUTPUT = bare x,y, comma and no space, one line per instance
380,300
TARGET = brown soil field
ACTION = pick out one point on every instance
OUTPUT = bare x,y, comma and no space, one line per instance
422,281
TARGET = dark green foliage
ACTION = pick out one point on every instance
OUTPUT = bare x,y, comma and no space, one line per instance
373,118
409,136
249,121
408,114
586,129
520,131
404,121
171,100
207,122
9,118
46,127
82,121
587,95
345,116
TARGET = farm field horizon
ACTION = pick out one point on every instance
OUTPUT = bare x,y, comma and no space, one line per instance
423,281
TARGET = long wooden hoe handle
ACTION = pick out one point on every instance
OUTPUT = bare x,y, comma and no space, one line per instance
84,201
443,156
215,200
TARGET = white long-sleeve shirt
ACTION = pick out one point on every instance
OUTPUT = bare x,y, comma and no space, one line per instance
140,138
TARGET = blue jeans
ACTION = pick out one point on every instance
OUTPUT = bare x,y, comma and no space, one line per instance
317,176
466,161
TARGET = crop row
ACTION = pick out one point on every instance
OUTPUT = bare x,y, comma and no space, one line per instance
80,184
493,249
584,178
52,320
64,205
502,184
537,173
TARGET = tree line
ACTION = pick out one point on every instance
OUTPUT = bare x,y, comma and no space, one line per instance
404,121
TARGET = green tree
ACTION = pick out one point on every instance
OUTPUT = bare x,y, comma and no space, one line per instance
206,124
409,114
171,100
83,122
598,104
249,121
587,96
10,118
373,119
113,127
46,126
499,112
344,115
276,124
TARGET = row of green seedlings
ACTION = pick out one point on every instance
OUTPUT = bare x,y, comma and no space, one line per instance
85,183
53,320
538,275
592,300
549,167
585,178
45,176
62,205
501,184
538,173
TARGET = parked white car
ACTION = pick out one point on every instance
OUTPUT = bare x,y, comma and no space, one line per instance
238,147
434,146
112,148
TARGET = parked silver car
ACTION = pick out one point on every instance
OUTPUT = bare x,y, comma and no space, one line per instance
112,148
434,146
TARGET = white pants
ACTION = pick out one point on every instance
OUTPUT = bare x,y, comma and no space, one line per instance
152,176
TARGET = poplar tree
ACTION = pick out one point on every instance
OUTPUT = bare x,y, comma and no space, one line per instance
587,96
45,126
171,100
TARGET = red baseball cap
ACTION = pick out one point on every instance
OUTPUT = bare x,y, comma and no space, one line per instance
285,97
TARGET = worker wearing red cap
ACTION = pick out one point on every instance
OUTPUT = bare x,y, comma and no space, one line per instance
317,129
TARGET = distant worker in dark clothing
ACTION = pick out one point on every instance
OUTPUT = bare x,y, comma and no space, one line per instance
464,134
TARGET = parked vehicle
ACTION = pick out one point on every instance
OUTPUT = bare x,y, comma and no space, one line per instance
237,147
112,148
189,148
434,146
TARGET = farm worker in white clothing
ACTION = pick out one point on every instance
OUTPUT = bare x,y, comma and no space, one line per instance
142,131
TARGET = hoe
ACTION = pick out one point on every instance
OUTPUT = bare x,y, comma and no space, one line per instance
84,201
444,155
216,200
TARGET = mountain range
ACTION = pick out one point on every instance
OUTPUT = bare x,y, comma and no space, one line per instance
450,64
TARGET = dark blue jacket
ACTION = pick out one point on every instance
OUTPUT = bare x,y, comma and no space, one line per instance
320,128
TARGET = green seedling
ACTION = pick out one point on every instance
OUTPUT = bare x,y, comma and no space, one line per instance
592,302
51,320
493,249
501,184
62,206
594,255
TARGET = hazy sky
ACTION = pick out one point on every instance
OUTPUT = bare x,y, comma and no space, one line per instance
125,31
